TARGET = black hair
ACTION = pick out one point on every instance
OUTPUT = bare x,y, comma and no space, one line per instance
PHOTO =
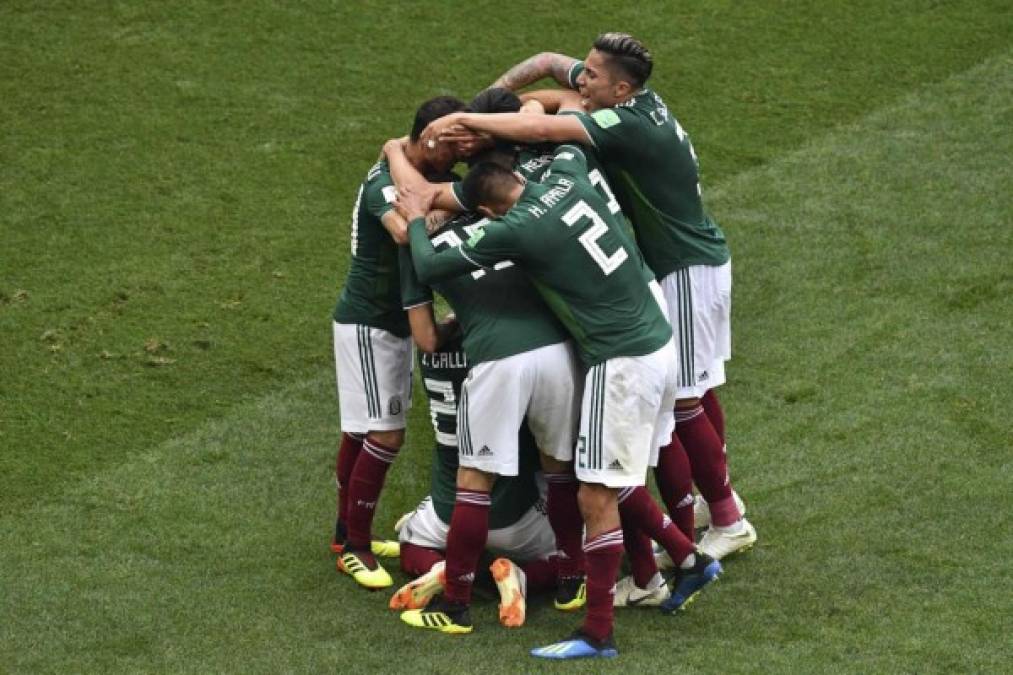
485,183
628,54
495,100
434,109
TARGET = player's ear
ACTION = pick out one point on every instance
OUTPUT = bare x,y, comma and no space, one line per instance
487,212
622,89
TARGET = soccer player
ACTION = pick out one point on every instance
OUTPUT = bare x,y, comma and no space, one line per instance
519,529
652,166
373,354
564,236
523,369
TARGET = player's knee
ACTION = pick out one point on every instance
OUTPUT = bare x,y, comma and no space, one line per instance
687,403
594,499
389,439
473,479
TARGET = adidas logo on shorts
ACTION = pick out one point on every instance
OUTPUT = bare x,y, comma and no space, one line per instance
485,451
615,466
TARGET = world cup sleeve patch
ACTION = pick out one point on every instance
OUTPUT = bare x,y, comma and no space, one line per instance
606,118
389,194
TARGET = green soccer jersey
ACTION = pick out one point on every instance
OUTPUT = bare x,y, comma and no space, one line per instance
650,163
531,162
562,234
499,310
372,295
443,373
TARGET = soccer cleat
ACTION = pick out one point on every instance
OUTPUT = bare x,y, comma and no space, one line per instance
512,584
440,615
662,560
417,594
383,548
628,594
571,594
718,544
364,569
578,646
702,512
690,582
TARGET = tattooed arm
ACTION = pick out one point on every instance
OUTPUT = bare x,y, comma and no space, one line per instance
546,64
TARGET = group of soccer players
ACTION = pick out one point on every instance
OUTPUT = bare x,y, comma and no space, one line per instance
590,296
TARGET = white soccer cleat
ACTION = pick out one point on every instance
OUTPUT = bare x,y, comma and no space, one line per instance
702,513
628,594
512,584
718,543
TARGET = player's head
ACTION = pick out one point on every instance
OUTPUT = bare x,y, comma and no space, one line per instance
493,187
486,148
442,156
617,67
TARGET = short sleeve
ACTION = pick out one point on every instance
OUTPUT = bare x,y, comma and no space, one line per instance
495,242
413,291
380,195
457,188
568,160
608,129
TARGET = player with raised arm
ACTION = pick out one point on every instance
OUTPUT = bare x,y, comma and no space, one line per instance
652,166
564,236
373,355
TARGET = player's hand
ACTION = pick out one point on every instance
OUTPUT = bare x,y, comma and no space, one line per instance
394,145
471,143
432,133
436,219
412,204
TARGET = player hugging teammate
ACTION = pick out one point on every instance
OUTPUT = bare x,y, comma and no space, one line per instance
592,296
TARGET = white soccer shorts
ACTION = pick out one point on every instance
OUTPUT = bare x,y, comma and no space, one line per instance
374,373
626,414
541,385
700,308
530,538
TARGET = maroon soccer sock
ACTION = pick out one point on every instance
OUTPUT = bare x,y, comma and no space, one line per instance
348,452
469,528
541,574
566,522
602,555
639,551
364,490
675,483
708,462
715,413
637,506
417,560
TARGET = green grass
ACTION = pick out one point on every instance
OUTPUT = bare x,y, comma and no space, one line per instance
175,185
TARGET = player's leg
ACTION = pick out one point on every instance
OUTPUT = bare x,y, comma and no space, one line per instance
553,415
489,417
374,380
675,484
701,321
423,539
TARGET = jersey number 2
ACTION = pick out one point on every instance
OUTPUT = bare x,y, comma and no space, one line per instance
589,240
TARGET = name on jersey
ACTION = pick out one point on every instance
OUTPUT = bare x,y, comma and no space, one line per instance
445,360
553,196
535,163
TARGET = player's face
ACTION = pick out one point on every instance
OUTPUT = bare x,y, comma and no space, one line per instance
597,86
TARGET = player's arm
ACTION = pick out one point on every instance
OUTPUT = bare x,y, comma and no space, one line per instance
553,100
417,301
406,175
396,225
518,127
539,66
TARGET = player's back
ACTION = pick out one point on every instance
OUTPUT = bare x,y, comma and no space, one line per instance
580,258
652,166
371,295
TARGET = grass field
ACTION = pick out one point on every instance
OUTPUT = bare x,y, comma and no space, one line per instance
176,182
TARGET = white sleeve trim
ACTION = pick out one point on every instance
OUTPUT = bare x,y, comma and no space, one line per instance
465,256
569,74
417,304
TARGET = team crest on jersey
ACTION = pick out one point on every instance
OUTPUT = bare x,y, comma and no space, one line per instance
606,118
395,405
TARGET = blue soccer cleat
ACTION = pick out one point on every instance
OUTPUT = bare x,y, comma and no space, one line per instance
691,582
578,646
